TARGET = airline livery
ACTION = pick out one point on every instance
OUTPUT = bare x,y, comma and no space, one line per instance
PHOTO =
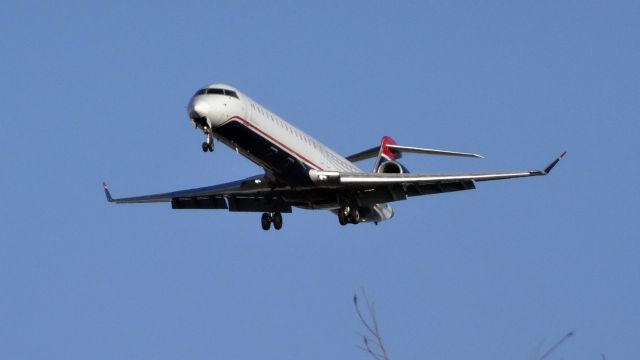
302,172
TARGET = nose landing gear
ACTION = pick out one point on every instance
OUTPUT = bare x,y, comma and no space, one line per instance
271,218
207,145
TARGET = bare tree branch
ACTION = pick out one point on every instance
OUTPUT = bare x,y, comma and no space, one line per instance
369,351
378,351
557,344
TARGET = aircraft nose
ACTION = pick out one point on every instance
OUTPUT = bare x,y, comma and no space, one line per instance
198,108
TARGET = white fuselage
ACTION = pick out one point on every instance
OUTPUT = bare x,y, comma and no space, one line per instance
288,155
220,110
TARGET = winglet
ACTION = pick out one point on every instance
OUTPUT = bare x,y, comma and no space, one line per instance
107,192
553,164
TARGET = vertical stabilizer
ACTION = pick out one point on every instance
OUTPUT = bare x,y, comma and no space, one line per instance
387,158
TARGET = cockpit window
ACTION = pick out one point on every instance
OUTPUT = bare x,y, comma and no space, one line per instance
217,92
231,93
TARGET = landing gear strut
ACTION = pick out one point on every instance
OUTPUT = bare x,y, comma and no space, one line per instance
271,218
207,145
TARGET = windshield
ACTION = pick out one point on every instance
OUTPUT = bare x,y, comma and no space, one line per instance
217,92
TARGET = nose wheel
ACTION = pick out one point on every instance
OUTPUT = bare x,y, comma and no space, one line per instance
271,218
207,145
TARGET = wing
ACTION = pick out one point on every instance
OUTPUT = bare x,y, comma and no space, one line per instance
250,194
417,184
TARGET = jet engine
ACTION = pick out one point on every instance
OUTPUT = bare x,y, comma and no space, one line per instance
391,167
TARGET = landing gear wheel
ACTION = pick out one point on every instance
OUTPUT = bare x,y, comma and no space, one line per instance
265,221
354,215
342,216
207,145
277,221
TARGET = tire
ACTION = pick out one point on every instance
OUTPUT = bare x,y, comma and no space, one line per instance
342,217
277,221
265,221
354,215
205,147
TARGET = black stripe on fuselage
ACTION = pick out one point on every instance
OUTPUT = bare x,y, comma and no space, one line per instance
268,154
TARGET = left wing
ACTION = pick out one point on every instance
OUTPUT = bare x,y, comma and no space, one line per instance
251,194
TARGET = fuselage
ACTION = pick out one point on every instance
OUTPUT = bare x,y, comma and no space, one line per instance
262,136
286,153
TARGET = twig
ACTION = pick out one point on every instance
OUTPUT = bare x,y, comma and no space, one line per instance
378,352
556,345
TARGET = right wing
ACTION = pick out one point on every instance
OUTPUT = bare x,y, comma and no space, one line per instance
366,180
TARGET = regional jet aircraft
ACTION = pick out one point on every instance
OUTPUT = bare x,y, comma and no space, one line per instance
301,172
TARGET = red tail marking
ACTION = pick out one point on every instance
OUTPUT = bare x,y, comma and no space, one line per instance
387,140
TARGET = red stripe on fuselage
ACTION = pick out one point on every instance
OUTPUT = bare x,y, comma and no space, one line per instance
272,139
376,207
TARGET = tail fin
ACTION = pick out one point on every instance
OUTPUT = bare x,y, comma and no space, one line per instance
386,155
385,151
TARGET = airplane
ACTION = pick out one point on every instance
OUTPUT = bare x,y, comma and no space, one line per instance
301,172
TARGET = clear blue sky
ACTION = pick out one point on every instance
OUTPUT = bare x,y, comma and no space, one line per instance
97,91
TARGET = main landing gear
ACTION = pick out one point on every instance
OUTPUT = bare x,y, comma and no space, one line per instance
348,214
271,218
207,145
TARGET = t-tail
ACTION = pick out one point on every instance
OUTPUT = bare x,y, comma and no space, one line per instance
388,153
387,161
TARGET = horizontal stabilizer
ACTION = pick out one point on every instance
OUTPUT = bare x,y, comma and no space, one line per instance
417,150
364,155
398,149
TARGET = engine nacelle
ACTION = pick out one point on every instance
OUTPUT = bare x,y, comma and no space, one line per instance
390,167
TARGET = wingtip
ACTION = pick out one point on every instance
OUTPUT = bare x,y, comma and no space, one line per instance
107,193
553,163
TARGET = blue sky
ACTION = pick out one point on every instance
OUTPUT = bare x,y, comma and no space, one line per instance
95,91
